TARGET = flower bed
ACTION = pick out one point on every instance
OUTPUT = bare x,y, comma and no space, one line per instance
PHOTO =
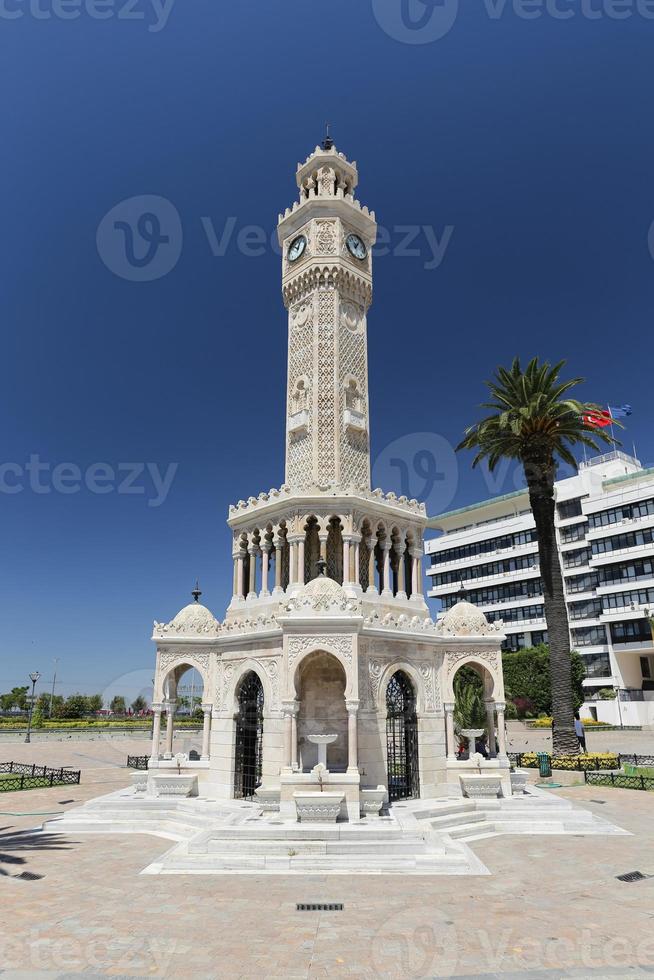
572,763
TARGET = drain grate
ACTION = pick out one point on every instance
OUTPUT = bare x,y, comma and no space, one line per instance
29,876
319,907
633,876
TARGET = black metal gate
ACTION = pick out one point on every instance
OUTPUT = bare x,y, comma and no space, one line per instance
402,739
249,738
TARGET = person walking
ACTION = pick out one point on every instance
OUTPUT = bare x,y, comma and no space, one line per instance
581,734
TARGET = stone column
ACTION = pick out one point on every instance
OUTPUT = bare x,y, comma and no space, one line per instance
253,551
449,728
500,708
356,580
287,710
300,560
416,583
387,568
206,731
235,579
370,544
239,575
279,557
352,736
156,733
265,552
294,762
490,728
346,559
401,583
170,711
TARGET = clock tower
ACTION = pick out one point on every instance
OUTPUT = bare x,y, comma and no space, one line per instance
327,239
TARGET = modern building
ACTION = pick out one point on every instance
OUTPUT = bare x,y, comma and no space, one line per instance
605,532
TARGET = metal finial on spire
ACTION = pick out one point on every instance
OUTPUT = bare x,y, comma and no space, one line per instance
196,593
462,593
328,142
321,565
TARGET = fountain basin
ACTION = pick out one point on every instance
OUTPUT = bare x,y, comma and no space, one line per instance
318,807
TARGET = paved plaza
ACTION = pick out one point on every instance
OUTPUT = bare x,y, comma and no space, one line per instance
551,907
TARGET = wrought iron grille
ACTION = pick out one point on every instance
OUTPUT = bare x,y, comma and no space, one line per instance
249,738
402,739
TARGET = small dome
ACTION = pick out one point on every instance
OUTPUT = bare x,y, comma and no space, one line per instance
322,586
464,619
194,618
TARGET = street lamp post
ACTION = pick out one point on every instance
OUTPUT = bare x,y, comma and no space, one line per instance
54,679
34,678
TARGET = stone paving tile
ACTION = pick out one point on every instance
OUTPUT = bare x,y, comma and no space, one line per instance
551,908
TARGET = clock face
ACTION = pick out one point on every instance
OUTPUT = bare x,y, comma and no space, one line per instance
296,248
356,246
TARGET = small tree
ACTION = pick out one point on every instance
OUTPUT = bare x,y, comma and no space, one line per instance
139,704
76,706
94,704
118,705
469,710
16,698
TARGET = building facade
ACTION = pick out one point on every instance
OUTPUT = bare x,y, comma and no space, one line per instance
605,533
327,632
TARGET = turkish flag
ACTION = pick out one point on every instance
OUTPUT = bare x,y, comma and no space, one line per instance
598,420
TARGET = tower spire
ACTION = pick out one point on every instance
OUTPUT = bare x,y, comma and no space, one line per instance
328,142
197,592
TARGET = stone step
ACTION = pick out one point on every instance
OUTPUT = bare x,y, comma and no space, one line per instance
443,809
425,863
218,845
465,830
454,819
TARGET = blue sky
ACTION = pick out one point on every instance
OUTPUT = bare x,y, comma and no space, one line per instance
529,139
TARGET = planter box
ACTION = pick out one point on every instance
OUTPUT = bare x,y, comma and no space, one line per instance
372,800
518,782
318,807
268,799
478,787
171,784
140,781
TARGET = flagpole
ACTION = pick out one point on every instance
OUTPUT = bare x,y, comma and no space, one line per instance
611,414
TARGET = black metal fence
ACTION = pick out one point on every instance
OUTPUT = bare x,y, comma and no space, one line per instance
637,760
24,776
619,779
137,761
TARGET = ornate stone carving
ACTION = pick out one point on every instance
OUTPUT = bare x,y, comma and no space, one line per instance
330,642
322,595
489,657
326,242
464,619
375,670
432,695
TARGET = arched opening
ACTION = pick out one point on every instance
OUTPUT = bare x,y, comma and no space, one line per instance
320,688
183,692
248,760
402,739
472,686
311,551
335,550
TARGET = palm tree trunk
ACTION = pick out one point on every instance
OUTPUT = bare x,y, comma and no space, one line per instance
540,481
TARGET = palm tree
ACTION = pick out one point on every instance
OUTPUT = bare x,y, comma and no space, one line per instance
533,420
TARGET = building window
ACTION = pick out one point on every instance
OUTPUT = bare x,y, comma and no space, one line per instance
531,589
506,542
605,518
499,568
514,642
618,542
632,631
610,574
597,665
575,533
569,508
589,636
626,600
518,614
645,668
576,559
582,583
585,610
540,636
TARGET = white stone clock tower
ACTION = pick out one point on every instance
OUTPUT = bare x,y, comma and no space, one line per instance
327,239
